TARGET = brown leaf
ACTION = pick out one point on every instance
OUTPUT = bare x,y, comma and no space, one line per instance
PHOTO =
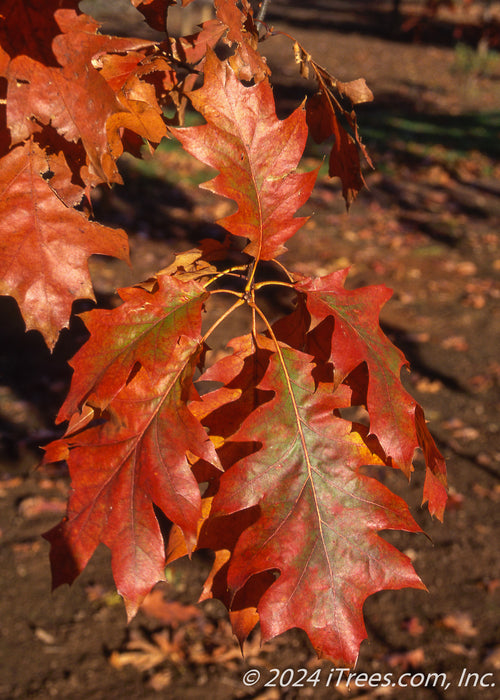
455,342
246,62
142,654
326,117
356,90
460,649
344,160
38,506
414,626
493,658
414,658
143,116
460,623
169,612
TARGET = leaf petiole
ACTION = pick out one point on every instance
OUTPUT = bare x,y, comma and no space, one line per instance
230,271
226,313
270,283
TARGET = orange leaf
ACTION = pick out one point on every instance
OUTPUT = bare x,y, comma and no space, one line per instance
44,243
256,155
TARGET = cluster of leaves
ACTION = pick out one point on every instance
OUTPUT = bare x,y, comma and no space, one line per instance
266,470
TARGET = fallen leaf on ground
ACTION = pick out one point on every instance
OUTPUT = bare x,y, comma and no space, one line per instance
170,612
460,649
407,659
26,548
161,680
460,623
44,636
455,500
486,493
493,658
413,626
37,506
429,386
455,342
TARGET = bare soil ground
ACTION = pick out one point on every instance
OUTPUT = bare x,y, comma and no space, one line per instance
427,226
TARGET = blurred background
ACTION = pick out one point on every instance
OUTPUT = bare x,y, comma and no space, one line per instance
427,226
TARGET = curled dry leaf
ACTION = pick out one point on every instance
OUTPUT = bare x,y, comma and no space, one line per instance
247,63
327,116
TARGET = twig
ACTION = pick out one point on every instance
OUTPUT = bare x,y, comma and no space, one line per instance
262,10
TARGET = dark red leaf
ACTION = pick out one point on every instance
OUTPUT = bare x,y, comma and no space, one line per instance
344,157
28,27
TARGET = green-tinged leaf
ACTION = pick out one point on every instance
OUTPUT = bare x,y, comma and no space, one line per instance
136,372
145,329
319,515
119,470
356,339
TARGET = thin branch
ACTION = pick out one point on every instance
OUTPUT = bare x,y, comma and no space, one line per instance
240,295
226,313
280,264
262,10
229,272
269,283
251,272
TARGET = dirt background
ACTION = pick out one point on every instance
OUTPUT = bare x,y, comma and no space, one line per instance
427,226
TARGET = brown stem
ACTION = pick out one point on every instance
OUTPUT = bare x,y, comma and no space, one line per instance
262,10
222,318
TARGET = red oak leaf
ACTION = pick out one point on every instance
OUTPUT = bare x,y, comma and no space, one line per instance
319,516
327,116
344,162
44,242
247,62
120,470
191,49
255,153
74,99
220,535
356,339
155,11
143,116
117,68
145,329
135,458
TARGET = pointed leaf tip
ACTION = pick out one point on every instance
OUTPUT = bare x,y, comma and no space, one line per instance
256,155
